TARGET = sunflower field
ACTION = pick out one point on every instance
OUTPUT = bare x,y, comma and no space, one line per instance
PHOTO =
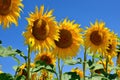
51,45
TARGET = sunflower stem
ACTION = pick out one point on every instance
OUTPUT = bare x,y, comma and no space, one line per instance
92,63
28,64
107,65
59,69
84,64
93,59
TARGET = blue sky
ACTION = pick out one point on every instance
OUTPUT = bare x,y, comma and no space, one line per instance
82,11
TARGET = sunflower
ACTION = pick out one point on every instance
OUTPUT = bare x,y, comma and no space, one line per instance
69,41
23,69
9,12
47,57
118,73
112,48
118,58
78,71
42,30
97,37
110,63
34,76
45,75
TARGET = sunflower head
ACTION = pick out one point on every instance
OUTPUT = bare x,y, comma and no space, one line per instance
9,12
112,47
46,57
34,76
45,75
110,63
78,72
69,41
118,73
5,6
97,37
23,69
42,30
118,58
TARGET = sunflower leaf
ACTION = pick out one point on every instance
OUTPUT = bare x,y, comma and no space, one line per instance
50,70
40,63
99,77
16,59
73,75
15,68
5,52
6,76
22,77
9,51
21,54
72,61
112,76
38,68
43,63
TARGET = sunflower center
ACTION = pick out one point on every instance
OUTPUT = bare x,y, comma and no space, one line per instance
110,48
40,29
5,7
96,38
65,39
46,59
24,72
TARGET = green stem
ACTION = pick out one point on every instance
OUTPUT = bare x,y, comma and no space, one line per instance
93,59
59,69
28,64
92,63
107,65
84,64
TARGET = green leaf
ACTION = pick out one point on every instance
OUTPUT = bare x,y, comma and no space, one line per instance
22,77
98,66
8,51
38,68
40,63
72,61
15,67
73,75
50,70
21,54
103,72
104,79
5,52
6,76
16,59
43,63
97,78
112,76
90,63
66,77
55,79
118,38
97,56
18,51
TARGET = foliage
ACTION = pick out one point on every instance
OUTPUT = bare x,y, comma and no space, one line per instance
94,48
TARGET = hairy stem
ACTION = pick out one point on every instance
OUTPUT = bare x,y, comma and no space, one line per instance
59,69
107,65
84,64
28,64
92,62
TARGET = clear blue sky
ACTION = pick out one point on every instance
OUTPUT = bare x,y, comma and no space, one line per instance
82,11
